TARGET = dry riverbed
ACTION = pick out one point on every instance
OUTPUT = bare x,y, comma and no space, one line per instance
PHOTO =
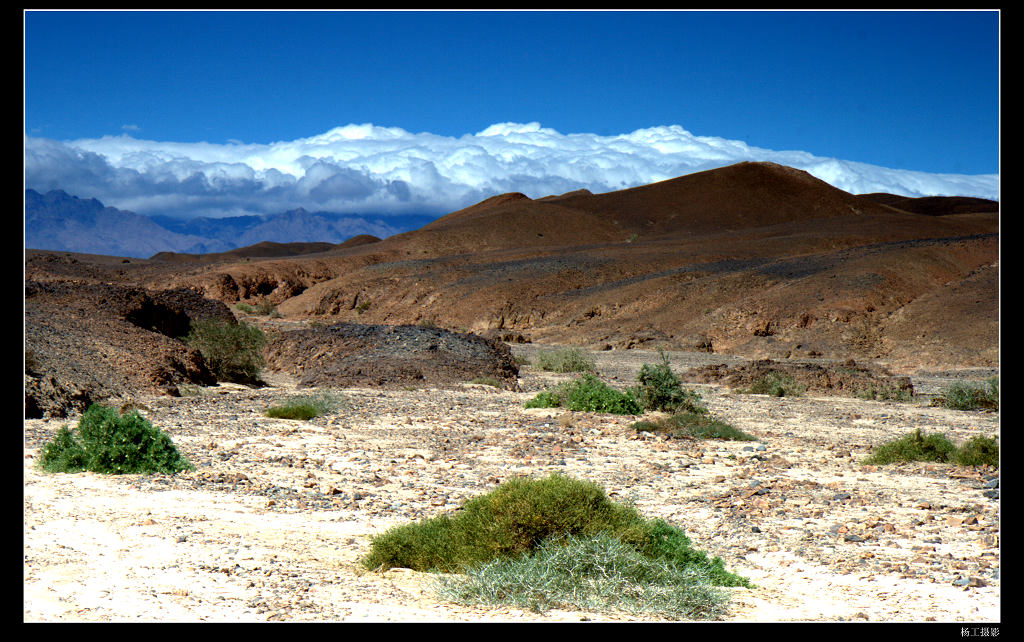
274,520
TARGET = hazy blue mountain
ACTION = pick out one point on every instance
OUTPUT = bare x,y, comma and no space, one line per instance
59,221
293,226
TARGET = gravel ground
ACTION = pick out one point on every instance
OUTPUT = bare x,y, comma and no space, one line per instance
272,524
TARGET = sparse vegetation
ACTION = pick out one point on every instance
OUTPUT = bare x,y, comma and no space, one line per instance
776,384
233,352
977,451
971,396
263,308
936,447
306,407
587,394
885,393
488,381
108,442
691,425
595,572
661,389
565,360
554,534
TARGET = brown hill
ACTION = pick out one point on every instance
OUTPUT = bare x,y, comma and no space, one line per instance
266,249
934,205
754,259
740,196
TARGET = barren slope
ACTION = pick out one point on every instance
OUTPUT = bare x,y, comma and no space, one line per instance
754,259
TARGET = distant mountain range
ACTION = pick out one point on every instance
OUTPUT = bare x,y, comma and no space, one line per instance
60,221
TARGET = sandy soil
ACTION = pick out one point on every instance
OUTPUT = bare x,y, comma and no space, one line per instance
272,524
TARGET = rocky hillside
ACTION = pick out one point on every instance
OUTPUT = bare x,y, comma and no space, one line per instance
755,259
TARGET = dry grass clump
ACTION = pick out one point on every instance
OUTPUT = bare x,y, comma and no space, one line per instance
306,407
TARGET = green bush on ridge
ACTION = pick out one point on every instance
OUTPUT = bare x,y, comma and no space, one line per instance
108,442
776,384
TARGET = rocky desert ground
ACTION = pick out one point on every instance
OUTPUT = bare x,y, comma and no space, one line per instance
272,524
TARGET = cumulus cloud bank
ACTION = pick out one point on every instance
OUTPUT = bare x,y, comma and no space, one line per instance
380,170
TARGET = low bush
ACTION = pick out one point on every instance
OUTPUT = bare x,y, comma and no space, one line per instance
936,448
971,396
108,442
565,360
306,407
587,394
294,410
232,351
519,515
661,389
690,425
979,450
776,384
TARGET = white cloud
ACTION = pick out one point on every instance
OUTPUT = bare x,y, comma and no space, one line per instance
370,169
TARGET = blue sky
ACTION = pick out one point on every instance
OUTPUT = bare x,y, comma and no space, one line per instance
907,90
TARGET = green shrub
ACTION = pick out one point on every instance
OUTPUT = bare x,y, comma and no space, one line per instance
517,516
232,351
111,443
971,396
776,384
565,360
978,451
594,573
661,389
587,394
245,307
690,425
936,448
